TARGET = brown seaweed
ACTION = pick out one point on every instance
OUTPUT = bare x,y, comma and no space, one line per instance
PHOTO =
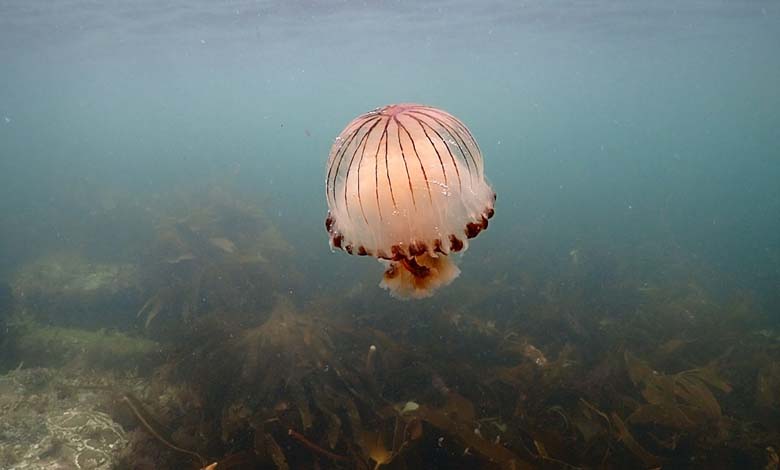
155,430
588,357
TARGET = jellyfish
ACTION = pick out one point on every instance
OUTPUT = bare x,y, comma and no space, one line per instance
406,185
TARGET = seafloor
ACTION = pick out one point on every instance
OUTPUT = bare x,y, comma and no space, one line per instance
189,351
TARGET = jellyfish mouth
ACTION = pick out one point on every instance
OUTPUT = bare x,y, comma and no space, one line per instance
417,277
418,271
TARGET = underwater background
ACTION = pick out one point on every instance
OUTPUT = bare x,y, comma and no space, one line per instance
166,280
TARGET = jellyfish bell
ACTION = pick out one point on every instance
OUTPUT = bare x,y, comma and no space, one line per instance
405,184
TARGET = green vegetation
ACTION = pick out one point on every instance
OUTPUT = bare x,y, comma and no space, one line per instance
35,344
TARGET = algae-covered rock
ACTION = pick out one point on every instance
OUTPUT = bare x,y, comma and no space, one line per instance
68,289
42,345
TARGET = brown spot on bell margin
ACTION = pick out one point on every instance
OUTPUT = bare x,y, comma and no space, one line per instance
328,223
361,251
337,240
456,244
490,212
437,246
473,229
484,223
348,249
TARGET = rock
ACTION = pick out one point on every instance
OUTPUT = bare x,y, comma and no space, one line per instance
66,289
43,428
40,345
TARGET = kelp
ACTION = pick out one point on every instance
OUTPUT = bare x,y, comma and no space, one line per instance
682,401
584,357
768,385
218,255
464,431
303,388
623,435
310,394
154,429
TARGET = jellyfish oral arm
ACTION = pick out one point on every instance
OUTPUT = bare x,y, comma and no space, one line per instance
418,277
